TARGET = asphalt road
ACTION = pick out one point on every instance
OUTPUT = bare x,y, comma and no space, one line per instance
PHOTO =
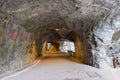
57,68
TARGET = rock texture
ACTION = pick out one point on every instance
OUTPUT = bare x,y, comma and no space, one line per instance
16,47
95,24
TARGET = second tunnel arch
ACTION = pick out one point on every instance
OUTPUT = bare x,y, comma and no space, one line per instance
81,47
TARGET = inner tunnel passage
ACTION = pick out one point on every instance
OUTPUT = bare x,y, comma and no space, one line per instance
63,47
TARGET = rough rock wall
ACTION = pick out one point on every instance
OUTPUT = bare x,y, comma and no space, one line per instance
16,47
107,38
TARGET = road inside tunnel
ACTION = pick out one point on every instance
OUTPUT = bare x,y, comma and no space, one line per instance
62,68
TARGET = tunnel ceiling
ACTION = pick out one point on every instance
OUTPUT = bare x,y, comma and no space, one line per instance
65,16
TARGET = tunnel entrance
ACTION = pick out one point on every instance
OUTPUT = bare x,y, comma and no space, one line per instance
32,28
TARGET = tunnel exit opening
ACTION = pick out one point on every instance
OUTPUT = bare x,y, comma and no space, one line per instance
68,47
58,48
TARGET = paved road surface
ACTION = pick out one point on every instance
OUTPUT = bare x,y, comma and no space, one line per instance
63,69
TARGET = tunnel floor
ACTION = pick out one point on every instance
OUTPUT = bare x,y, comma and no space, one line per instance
61,68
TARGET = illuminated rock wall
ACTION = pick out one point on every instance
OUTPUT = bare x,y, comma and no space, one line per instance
16,46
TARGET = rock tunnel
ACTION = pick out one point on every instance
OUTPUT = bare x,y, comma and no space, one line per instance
26,25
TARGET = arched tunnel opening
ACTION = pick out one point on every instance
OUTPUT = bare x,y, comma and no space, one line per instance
86,30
